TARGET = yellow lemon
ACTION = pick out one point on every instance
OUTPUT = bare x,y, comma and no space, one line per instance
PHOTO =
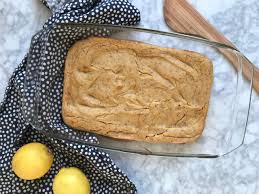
32,161
71,181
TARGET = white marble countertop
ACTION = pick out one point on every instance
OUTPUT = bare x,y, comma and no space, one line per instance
237,172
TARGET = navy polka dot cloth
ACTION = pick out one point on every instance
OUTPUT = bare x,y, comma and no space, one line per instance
46,60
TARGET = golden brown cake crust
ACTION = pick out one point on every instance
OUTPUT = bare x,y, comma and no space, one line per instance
136,91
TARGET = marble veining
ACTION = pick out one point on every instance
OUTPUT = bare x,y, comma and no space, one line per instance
234,173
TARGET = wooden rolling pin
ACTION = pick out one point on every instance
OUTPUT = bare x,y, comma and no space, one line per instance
182,17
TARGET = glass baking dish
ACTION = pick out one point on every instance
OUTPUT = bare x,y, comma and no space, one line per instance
229,104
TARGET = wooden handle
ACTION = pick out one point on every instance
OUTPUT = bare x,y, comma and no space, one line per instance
182,17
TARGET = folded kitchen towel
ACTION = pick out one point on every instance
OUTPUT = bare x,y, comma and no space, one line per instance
17,106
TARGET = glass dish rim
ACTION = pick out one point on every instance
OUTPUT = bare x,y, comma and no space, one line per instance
186,36
153,31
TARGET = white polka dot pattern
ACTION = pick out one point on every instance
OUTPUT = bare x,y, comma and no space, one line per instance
44,79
